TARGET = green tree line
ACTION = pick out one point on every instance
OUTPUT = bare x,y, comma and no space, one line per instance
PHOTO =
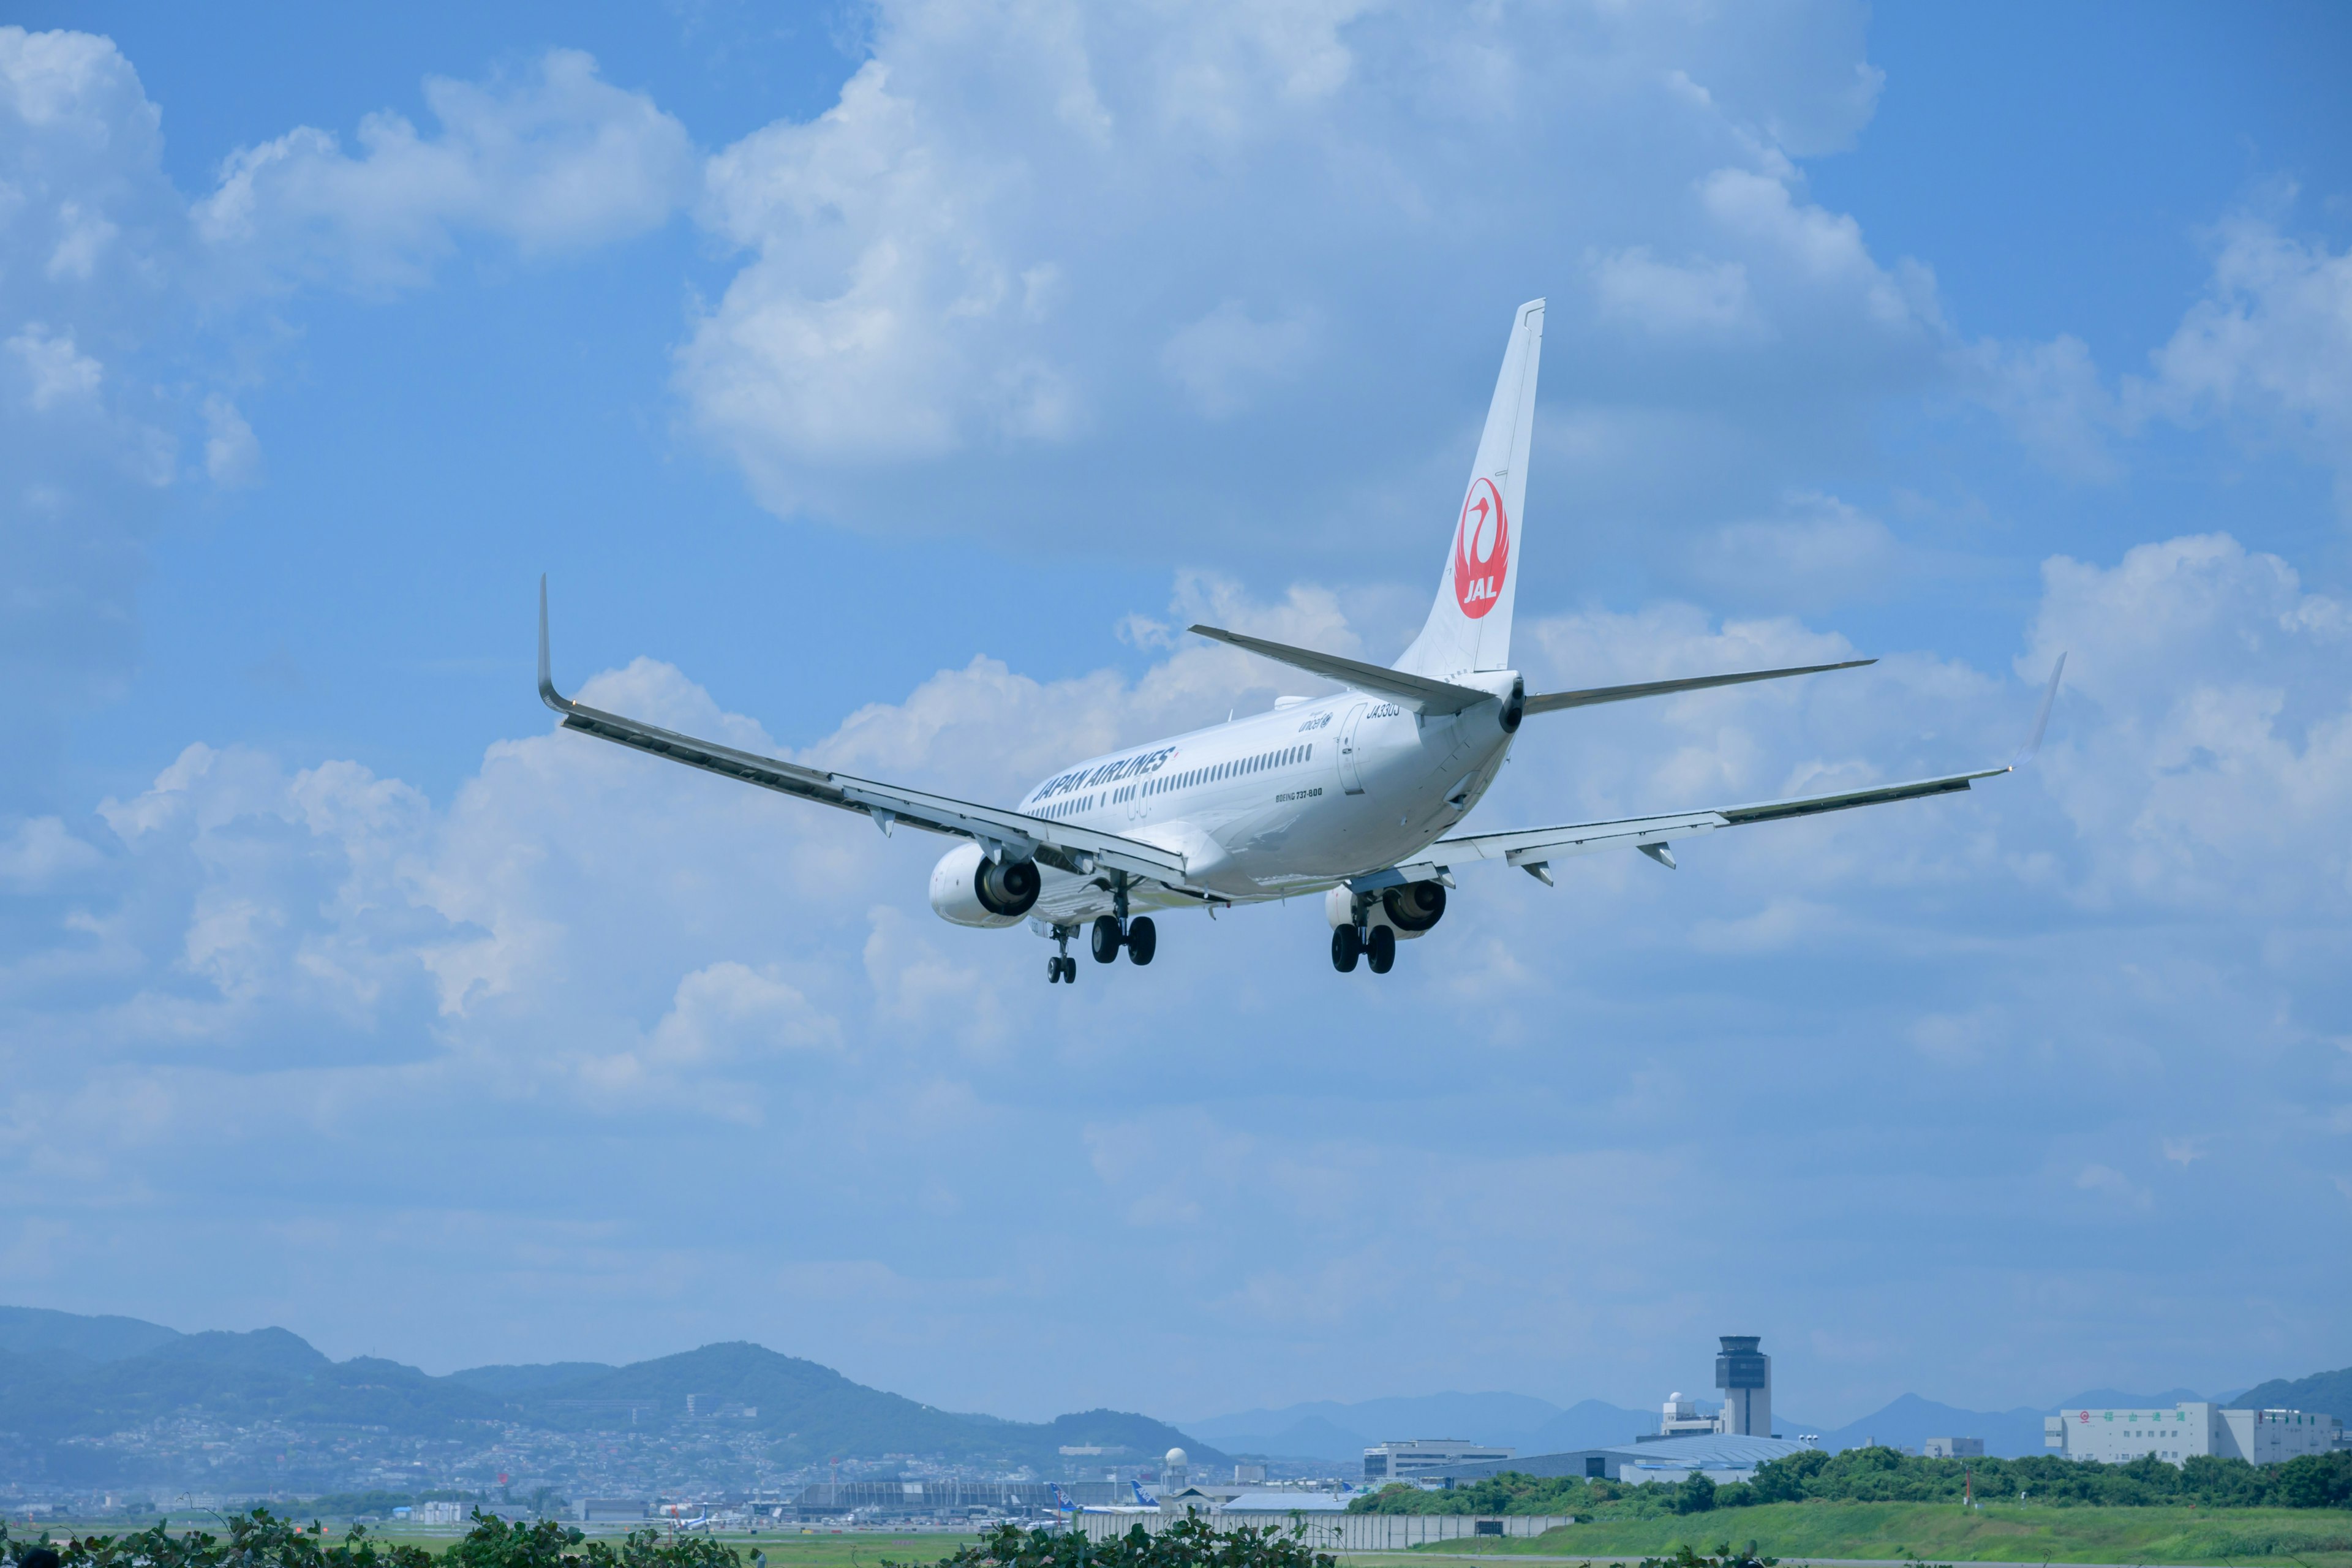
1190,1542
262,1540
1884,1475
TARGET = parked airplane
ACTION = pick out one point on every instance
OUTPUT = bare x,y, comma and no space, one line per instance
1142,1497
1352,796
1062,1504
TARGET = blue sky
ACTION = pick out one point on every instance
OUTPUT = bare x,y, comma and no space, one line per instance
885,386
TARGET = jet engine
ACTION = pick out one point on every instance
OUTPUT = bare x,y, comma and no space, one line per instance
1415,906
1409,911
970,890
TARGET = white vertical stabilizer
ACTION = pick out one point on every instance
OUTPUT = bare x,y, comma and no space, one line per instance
1470,624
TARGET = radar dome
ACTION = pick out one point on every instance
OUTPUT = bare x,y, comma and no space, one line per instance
1178,1457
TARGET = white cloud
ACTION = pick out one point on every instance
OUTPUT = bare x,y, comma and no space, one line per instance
731,987
1220,357
55,370
40,851
2265,351
232,455
2270,346
1820,551
558,160
1636,287
2222,757
2052,398
1369,169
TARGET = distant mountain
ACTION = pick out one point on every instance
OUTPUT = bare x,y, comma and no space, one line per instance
1908,1422
2323,1392
805,1413
1589,1423
37,1331
813,1413
1313,1439
2118,1400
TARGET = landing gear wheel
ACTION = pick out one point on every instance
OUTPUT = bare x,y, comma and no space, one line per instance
1380,950
1054,970
1345,949
1069,970
1106,939
1142,938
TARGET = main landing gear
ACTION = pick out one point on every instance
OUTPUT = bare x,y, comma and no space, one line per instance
1108,933
1140,938
1374,945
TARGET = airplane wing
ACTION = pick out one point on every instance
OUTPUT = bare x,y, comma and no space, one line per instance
1004,834
1531,849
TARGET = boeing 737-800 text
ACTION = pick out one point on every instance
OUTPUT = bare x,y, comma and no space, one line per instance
1354,796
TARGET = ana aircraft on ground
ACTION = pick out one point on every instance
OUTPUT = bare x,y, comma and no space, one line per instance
1354,796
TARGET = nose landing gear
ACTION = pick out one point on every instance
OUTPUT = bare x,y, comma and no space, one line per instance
1062,966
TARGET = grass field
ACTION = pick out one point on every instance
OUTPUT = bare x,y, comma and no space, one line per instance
1944,1533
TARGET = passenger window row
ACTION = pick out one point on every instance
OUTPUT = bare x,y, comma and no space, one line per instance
1284,757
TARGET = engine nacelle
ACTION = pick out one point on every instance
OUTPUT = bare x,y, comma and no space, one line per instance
970,890
1415,906
1409,911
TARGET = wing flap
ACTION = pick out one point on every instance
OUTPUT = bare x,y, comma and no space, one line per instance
1416,693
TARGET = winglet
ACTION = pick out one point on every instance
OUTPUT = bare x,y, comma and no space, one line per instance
2040,719
547,692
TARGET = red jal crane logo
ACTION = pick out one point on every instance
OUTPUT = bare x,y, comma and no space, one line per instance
1482,550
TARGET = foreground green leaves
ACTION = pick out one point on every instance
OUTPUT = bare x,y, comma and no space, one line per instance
1190,1542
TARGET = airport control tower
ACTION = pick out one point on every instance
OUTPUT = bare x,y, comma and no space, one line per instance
1745,1375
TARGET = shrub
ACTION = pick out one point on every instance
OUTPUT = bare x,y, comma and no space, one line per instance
1190,1542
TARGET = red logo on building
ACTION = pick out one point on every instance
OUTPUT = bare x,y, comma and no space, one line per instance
1482,550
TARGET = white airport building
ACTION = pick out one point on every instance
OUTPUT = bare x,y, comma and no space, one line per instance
1406,1460
2186,1431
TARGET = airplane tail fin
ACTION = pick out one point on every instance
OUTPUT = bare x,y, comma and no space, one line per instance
1469,627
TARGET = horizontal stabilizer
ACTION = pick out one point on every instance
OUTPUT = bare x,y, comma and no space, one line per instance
1552,701
1416,693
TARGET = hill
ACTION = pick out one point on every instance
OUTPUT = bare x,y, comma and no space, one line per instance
37,1331
105,1387
2323,1392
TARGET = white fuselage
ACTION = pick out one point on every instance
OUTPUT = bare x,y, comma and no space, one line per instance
1281,803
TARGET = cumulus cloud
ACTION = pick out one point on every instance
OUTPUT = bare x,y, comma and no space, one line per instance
2262,352
109,276
2224,751
991,256
585,934
2270,346
559,160
1220,358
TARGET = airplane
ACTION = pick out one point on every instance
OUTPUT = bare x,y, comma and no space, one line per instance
1062,1504
1145,1498
1354,796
